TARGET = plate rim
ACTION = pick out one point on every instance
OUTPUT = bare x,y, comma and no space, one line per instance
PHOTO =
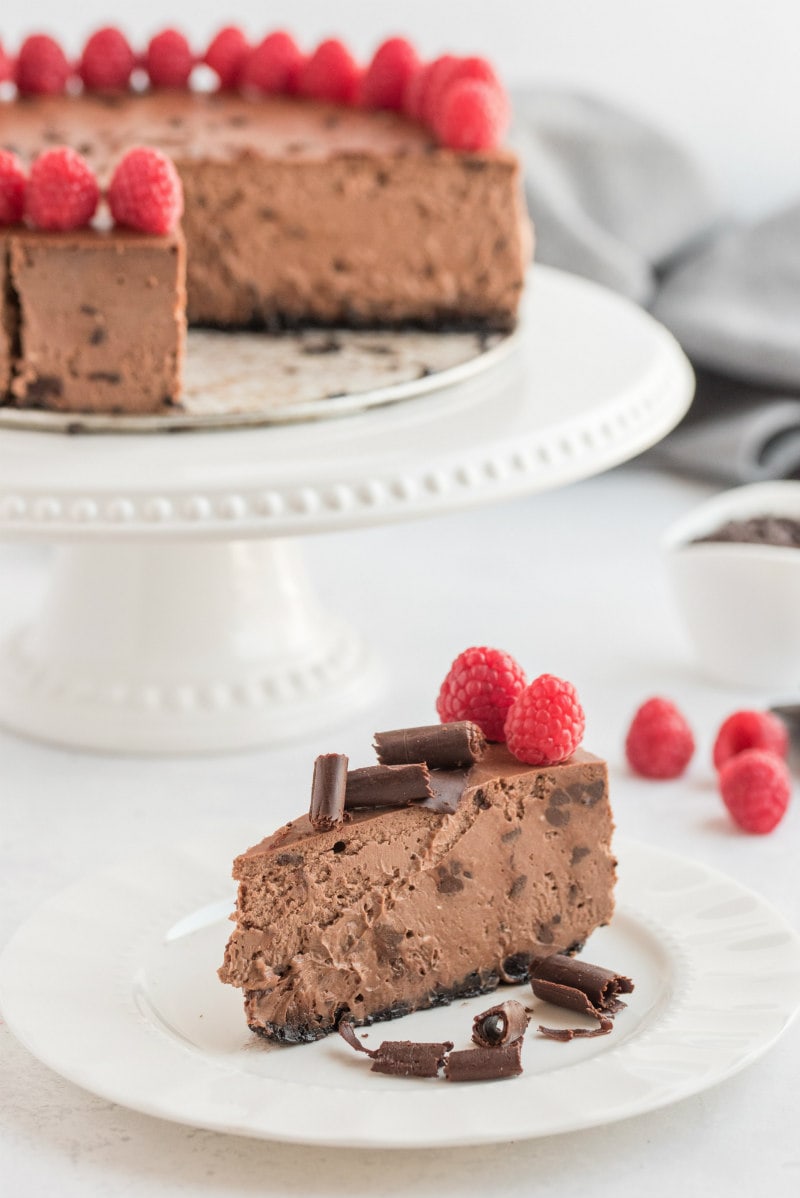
295,1095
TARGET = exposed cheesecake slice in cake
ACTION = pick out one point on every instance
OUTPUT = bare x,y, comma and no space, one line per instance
404,908
100,319
302,212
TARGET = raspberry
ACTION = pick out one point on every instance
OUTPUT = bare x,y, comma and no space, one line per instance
42,67
331,73
415,90
481,685
107,61
660,743
436,75
226,55
750,730
545,722
274,65
6,66
479,69
755,787
12,188
472,115
475,68
62,191
169,59
388,75
145,192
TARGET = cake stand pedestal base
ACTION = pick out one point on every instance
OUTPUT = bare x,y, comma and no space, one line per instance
181,647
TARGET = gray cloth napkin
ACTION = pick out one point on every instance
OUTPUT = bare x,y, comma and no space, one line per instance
618,201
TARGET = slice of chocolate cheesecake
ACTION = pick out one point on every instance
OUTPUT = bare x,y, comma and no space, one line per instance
394,909
97,318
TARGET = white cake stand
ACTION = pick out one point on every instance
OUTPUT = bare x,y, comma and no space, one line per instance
178,617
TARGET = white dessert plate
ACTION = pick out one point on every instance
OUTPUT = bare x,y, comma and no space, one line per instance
113,985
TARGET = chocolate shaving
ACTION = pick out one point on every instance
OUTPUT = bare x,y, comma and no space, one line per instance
500,1025
348,1034
440,746
573,1033
328,792
403,1058
578,985
564,996
387,785
484,1064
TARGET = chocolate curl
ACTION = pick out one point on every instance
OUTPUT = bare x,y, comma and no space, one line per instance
328,792
348,1034
387,786
484,1064
576,984
440,746
402,1058
564,996
573,1033
500,1025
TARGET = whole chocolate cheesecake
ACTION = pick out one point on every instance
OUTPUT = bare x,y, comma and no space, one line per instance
300,207
301,212
391,909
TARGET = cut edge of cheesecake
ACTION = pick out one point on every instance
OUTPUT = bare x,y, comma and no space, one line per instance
93,319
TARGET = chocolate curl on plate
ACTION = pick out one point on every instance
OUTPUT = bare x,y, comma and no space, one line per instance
328,792
348,1034
403,1058
500,1025
387,786
440,746
576,984
564,996
564,1034
484,1064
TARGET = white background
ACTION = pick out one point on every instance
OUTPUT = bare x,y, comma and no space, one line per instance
722,77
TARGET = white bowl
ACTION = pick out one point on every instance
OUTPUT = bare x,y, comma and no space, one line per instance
740,603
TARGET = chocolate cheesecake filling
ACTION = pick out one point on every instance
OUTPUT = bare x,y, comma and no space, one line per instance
400,909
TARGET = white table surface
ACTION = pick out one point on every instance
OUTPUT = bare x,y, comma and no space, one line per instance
570,582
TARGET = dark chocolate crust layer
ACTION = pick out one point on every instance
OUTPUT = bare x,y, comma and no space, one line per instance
443,320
